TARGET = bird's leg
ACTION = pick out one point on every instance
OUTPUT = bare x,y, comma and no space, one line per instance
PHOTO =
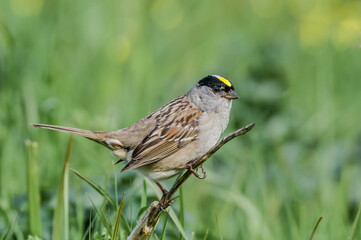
163,206
189,166
164,191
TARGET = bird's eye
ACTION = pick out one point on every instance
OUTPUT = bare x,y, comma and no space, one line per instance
216,89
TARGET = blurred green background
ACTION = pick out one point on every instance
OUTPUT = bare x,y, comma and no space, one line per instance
103,65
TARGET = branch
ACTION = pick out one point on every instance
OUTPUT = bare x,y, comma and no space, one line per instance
148,222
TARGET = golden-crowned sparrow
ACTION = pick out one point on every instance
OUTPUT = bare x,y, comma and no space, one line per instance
169,139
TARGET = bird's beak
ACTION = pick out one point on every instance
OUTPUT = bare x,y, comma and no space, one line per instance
231,95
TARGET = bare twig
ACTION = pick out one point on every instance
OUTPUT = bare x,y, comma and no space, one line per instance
150,219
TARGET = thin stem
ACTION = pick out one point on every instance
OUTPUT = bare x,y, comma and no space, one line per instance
315,228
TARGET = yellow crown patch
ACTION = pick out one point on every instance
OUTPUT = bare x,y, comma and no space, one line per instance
225,81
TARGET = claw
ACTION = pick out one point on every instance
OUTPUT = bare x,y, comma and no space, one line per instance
164,206
204,172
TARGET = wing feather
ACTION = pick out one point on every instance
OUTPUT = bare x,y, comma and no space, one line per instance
165,140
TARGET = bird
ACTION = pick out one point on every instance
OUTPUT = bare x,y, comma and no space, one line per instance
170,139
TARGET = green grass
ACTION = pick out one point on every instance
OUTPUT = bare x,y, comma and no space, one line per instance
33,189
61,211
119,214
104,65
315,228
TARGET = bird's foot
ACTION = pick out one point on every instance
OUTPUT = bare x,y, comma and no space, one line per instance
203,172
189,166
164,205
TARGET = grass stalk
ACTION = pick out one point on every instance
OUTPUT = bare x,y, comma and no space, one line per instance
143,202
165,227
181,208
13,232
105,194
355,221
315,228
206,235
33,188
117,222
61,213
101,215
88,231
115,188
218,227
97,188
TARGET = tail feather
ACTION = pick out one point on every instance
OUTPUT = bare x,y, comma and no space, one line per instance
94,135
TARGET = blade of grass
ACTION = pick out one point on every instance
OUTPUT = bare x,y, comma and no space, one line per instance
117,222
102,192
115,188
33,188
143,201
89,228
65,181
125,223
206,235
142,211
153,235
164,227
171,212
12,232
7,231
355,221
219,228
181,207
97,188
101,215
79,221
61,213
315,228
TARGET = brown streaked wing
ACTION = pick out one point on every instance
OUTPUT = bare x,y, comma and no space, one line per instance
166,140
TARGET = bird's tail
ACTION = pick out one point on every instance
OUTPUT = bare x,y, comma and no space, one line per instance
93,135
